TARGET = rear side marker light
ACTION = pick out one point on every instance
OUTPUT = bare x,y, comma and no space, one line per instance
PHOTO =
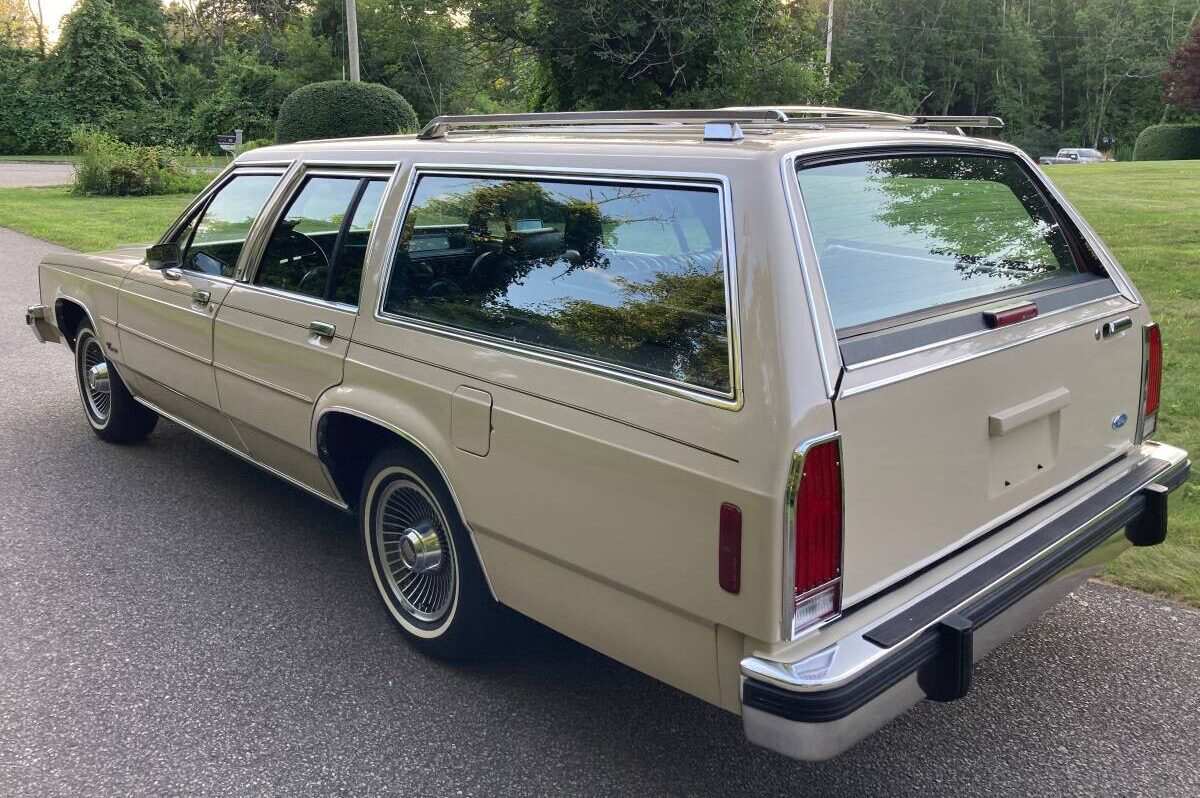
1152,358
1010,315
729,549
816,534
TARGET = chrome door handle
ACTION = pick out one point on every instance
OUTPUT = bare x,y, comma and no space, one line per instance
201,297
1113,327
172,274
321,329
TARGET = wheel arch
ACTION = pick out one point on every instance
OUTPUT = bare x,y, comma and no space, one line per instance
69,313
346,440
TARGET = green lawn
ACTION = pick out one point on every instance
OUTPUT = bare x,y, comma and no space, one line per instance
87,223
1149,213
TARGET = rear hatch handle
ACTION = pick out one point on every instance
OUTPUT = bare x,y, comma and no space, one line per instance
1005,421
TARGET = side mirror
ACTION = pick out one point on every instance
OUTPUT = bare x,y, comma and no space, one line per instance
163,256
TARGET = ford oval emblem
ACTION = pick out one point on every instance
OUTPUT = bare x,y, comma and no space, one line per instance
1119,420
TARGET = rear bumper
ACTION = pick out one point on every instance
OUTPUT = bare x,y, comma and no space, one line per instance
39,321
819,706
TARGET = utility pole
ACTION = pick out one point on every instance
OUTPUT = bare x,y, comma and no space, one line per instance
352,39
829,42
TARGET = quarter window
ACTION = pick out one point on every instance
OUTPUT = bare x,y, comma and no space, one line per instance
317,248
629,275
212,244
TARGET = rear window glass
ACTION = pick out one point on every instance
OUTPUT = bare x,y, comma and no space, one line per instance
630,275
902,234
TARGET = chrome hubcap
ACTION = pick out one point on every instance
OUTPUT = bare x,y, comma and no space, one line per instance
413,547
97,388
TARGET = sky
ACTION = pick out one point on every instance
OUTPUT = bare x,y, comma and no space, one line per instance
54,11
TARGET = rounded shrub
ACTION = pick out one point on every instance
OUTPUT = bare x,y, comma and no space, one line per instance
340,109
1172,142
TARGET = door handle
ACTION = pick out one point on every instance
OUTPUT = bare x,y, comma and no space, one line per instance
1110,328
172,274
321,329
201,297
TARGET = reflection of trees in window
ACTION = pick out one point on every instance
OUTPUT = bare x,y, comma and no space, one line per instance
967,203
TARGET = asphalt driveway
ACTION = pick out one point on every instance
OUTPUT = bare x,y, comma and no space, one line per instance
173,621
14,174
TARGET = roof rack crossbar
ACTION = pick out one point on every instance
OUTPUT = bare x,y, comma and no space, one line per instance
440,126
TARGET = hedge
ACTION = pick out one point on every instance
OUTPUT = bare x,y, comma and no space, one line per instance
339,108
1173,142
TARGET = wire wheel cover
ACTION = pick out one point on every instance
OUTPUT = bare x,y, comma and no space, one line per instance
425,592
98,396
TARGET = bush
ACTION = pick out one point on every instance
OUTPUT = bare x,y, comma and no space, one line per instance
1173,142
110,167
338,109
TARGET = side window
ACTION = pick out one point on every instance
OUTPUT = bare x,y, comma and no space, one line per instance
317,248
630,275
212,243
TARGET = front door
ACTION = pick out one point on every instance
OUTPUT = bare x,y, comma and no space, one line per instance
166,315
281,337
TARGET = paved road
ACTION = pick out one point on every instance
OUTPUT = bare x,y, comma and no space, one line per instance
35,174
174,621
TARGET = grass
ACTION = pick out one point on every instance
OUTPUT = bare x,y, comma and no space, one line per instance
1149,213
55,214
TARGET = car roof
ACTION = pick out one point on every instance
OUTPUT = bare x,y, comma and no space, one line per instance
646,148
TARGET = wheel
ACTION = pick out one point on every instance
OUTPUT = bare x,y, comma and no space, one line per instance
112,411
422,559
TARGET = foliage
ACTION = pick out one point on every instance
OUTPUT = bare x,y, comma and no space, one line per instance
34,117
18,30
109,167
1170,142
1182,77
1060,72
613,54
105,65
338,108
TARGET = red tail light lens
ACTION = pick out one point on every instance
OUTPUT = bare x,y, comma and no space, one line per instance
1152,380
818,536
729,549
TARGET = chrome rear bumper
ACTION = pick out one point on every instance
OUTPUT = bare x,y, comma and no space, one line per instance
823,704
37,317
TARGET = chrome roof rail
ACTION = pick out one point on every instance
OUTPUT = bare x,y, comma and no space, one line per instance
720,124
440,126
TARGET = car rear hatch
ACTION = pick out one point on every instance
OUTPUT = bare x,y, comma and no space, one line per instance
978,375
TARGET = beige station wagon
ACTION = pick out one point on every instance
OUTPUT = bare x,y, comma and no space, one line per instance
800,410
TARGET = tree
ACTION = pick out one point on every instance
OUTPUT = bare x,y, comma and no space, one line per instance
1182,77
105,65
17,30
606,54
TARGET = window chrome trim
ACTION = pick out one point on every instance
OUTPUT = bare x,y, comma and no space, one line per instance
305,169
788,608
732,400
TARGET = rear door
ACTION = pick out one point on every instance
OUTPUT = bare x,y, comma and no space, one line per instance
976,378
281,335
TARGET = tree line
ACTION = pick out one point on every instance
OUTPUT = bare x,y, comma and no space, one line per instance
1060,72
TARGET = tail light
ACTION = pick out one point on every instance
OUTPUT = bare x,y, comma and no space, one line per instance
815,534
1152,357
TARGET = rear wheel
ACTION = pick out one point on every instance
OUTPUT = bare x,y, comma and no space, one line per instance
113,413
422,559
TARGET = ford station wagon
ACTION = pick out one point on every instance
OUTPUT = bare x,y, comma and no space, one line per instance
800,410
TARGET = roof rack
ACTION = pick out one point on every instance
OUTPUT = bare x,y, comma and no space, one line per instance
719,124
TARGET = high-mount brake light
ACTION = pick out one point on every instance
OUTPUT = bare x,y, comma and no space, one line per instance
815,509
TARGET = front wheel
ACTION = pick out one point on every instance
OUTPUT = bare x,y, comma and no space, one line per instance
113,413
422,559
